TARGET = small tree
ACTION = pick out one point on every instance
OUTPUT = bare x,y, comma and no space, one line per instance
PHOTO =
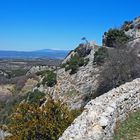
85,39
100,56
34,97
114,37
75,62
49,79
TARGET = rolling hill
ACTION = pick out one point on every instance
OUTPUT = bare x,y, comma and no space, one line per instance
46,53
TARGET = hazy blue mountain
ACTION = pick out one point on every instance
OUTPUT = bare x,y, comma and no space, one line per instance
46,53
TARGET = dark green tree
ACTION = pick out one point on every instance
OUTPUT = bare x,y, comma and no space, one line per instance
100,56
115,38
50,79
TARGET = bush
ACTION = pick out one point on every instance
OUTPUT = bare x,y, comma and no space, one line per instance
122,65
33,123
35,97
16,73
63,65
8,106
49,79
131,26
114,37
100,56
78,59
42,73
75,62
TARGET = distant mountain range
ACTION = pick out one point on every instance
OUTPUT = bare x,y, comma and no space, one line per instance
46,53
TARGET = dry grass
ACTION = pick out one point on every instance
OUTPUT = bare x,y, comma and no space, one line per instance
130,128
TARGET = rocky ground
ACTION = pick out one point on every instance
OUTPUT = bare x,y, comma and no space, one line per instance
73,88
98,120
5,92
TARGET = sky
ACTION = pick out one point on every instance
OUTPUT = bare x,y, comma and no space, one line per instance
27,25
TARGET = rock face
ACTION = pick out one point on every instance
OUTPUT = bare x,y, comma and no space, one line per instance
98,120
29,85
133,28
76,88
3,134
36,69
72,89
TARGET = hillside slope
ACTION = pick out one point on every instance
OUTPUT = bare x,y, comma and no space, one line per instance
73,88
98,120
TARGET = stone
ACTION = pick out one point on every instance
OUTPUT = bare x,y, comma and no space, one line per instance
98,120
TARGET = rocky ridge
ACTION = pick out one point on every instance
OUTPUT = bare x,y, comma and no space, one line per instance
98,120
72,89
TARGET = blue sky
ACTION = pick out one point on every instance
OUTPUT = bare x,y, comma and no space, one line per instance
60,24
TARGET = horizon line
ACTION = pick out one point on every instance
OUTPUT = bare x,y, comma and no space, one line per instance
34,50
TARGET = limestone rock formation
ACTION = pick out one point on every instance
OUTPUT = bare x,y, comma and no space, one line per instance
72,88
36,69
98,120
132,28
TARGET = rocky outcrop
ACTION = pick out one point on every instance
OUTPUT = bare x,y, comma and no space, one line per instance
98,120
5,91
3,134
72,88
75,89
29,85
132,28
36,69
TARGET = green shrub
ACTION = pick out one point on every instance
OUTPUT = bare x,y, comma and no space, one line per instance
30,122
16,73
86,61
49,79
114,37
122,65
74,63
131,26
81,62
35,97
42,73
63,65
100,56
8,106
